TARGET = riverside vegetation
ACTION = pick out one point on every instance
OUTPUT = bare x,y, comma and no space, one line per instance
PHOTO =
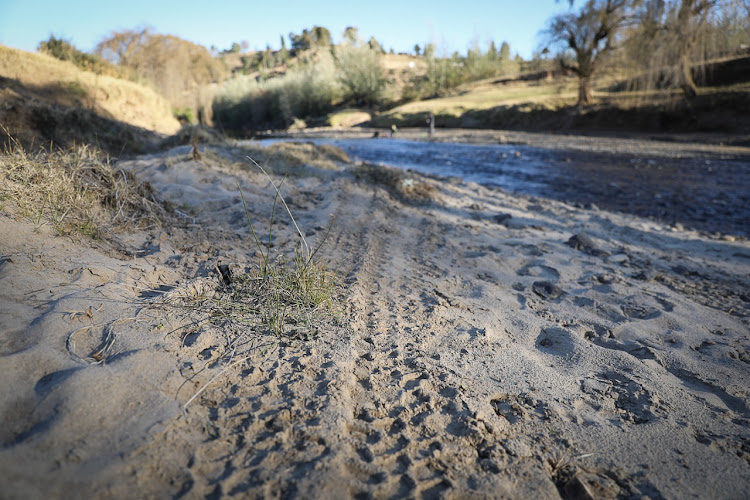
597,57
287,295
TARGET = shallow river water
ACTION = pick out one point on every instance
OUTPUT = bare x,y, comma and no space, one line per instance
707,193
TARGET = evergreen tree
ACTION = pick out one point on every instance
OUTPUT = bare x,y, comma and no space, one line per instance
321,36
505,51
492,51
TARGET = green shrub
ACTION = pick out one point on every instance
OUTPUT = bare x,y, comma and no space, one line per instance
184,115
445,74
65,51
360,73
244,103
75,89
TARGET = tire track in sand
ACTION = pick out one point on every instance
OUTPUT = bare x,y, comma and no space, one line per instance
414,434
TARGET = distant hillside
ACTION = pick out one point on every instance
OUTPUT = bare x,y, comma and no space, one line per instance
43,99
548,102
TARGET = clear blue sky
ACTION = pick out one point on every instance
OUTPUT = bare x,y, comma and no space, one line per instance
452,25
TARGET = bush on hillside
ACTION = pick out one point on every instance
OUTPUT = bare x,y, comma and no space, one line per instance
245,103
175,67
360,73
445,74
62,49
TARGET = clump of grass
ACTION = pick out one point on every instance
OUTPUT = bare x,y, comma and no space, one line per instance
293,159
78,191
285,293
289,289
396,182
189,133
300,154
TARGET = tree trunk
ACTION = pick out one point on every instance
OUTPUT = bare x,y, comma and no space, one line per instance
687,84
584,91
686,40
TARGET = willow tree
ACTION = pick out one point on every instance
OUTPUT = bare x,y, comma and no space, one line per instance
360,72
672,38
586,37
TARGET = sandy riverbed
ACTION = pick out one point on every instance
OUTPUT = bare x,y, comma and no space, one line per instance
482,345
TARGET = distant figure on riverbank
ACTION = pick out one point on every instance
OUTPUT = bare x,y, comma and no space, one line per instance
431,123
394,130
196,153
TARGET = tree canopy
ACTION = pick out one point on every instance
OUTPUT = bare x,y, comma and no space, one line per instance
175,67
586,37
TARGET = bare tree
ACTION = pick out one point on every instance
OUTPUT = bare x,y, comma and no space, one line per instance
587,37
690,19
176,67
671,39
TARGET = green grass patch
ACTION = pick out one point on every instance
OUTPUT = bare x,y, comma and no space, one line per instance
347,118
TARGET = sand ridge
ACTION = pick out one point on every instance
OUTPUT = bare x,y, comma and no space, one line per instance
487,345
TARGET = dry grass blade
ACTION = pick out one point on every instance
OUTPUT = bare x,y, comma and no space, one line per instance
278,194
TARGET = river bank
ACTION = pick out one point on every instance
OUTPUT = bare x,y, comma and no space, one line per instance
482,344
692,181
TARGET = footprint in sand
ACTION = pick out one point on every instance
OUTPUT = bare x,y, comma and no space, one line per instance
547,290
633,403
556,340
585,244
538,270
518,408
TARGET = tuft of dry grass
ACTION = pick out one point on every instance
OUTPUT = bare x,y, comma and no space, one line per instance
78,191
306,153
397,182
190,133
288,295
288,289
284,294
293,159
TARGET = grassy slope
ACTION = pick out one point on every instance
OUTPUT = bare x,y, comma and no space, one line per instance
48,101
64,83
550,105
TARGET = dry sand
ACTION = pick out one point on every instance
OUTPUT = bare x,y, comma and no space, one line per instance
483,345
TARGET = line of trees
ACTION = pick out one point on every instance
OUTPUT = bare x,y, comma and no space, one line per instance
64,50
664,40
172,65
445,74
324,75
